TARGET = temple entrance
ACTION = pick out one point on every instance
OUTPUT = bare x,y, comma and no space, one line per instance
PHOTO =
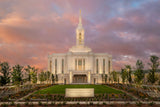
79,79
64,81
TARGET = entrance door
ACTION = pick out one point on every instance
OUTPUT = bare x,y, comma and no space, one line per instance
79,79
64,81
94,80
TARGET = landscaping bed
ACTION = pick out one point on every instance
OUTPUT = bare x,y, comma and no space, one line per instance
15,96
140,92
102,93
81,105
97,97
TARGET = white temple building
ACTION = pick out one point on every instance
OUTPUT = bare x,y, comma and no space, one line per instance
80,65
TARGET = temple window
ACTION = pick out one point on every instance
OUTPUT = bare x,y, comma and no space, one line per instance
55,66
103,66
75,64
97,66
79,64
109,66
50,66
62,66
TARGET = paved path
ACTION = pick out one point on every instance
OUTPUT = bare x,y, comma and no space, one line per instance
25,96
85,102
29,94
157,86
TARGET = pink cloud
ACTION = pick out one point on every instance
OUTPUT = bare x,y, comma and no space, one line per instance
29,30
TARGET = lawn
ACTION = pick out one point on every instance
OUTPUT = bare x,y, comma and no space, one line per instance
60,89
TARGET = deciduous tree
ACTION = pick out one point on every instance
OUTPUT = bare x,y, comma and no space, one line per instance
32,74
48,74
42,77
139,74
129,72
123,75
114,76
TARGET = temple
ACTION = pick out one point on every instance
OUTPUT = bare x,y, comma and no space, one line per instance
80,65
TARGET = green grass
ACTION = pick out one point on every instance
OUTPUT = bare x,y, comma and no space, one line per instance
60,89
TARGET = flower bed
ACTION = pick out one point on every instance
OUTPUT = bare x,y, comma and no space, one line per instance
20,94
97,97
139,92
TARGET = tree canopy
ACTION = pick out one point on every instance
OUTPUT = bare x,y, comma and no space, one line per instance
17,74
5,73
139,74
154,63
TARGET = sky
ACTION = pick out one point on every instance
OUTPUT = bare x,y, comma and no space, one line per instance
31,29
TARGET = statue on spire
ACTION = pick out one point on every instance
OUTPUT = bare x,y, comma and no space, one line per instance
80,20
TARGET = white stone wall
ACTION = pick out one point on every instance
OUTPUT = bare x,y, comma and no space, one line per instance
90,65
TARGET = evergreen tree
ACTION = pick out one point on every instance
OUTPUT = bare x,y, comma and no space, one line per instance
17,74
154,67
28,70
56,78
53,79
5,73
106,76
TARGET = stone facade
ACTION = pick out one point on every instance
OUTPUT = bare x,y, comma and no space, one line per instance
80,65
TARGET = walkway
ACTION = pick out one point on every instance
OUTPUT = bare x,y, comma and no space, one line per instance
28,95
83,102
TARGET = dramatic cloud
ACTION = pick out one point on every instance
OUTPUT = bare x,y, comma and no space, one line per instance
32,29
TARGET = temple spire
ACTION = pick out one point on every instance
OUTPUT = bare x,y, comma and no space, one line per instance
80,32
80,46
80,19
